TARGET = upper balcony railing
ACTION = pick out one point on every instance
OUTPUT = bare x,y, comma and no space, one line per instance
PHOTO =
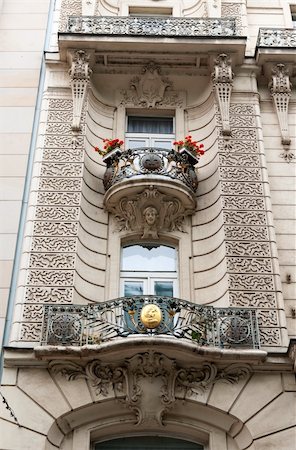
152,26
78,325
276,37
158,162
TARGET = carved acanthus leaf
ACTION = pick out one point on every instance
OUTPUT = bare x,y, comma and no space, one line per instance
149,383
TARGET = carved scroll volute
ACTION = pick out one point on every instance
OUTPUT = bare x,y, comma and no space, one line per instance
222,80
280,88
80,73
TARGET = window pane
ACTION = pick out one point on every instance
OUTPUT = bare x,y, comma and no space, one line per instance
148,443
164,288
152,125
133,288
163,143
136,143
149,258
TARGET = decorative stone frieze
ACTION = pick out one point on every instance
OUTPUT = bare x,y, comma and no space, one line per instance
50,277
57,213
33,313
270,336
163,379
233,10
222,81
46,294
30,331
249,265
80,73
280,88
56,141
241,188
253,299
54,244
152,26
58,198
63,155
60,184
241,146
55,228
250,160
276,37
69,8
244,217
248,281
258,233
235,248
240,173
61,170
51,261
232,202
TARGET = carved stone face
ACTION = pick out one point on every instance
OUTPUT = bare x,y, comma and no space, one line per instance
151,316
150,215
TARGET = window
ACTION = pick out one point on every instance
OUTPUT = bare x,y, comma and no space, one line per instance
146,11
149,269
149,131
293,15
148,443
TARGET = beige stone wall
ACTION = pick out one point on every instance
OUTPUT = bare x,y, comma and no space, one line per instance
22,32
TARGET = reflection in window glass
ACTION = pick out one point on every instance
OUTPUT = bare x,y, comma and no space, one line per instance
132,288
164,288
144,258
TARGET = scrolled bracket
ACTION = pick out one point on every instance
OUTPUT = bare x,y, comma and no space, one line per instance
222,77
280,89
80,74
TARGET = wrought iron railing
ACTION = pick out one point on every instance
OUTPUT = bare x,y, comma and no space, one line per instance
152,26
123,164
77,325
276,37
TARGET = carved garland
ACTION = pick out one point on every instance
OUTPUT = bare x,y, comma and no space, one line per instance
152,375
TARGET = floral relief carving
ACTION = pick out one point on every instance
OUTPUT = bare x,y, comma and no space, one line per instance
57,155
240,173
57,213
51,261
242,133
252,299
244,281
251,265
61,141
54,244
246,232
231,146
241,109
149,383
30,331
59,198
48,294
236,248
234,202
231,159
244,217
33,313
269,336
61,170
55,228
60,184
69,8
244,188
51,277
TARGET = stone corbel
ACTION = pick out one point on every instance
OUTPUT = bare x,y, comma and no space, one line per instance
80,73
222,80
280,88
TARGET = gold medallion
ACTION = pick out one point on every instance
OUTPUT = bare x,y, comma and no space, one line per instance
151,316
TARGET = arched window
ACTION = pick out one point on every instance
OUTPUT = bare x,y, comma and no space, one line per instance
149,269
148,443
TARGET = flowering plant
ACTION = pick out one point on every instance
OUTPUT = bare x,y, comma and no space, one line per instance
193,146
109,145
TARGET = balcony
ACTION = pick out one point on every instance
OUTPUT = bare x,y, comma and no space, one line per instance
150,316
152,26
137,178
174,35
276,45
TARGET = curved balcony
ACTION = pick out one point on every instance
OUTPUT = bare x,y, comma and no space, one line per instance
78,325
140,177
